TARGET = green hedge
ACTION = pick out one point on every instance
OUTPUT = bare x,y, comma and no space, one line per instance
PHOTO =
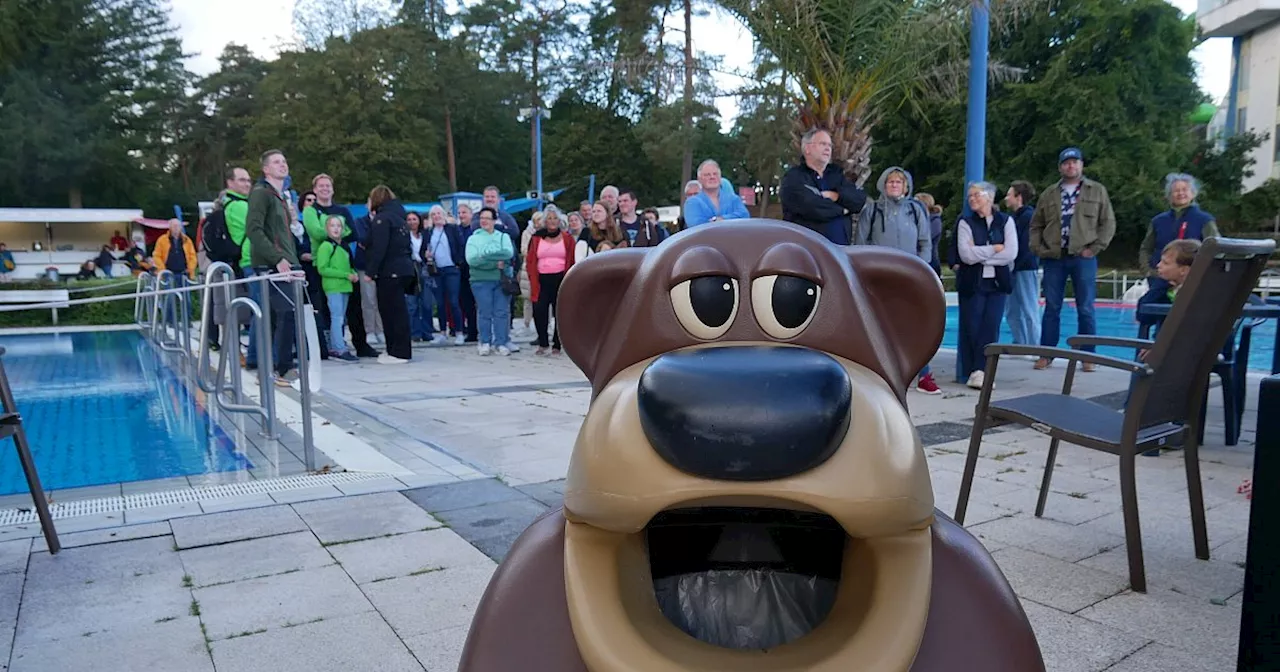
119,311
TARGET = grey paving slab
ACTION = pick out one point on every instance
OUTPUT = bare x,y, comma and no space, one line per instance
1072,644
550,493
220,528
463,495
1070,543
371,486
416,605
1055,583
498,522
1186,623
170,646
90,492
152,559
99,521
157,485
20,532
115,607
1181,572
348,519
152,514
222,504
254,558
114,534
439,651
10,597
1157,658
13,555
360,642
305,494
275,601
404,554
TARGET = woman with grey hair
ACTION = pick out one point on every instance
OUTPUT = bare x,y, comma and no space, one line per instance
549,257
1184,219
987,245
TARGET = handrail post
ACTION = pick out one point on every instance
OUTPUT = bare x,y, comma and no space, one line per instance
266,365
28,464
304,378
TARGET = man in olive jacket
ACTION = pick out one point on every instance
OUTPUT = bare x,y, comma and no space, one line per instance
272,250
1072,225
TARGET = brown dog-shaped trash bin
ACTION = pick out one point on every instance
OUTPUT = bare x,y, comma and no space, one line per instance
747,492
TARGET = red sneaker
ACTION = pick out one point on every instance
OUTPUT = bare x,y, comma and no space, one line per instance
926,385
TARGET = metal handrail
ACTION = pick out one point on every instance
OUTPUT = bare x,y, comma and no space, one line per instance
206,312
153,295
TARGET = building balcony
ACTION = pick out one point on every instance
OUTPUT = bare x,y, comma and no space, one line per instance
1232,18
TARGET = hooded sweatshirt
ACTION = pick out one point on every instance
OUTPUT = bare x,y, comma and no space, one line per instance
900,222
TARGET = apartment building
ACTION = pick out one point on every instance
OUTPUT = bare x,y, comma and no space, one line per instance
1253,100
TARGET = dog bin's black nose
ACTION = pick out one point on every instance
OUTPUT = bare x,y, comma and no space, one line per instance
745,413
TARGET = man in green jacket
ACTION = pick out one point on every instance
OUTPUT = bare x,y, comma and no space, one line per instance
1073,223
273,250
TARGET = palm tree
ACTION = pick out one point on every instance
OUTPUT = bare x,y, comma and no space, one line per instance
854,61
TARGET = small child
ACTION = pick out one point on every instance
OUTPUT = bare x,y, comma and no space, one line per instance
1174,267
333,262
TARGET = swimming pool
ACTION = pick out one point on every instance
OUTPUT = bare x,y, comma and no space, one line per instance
1116,319
103,407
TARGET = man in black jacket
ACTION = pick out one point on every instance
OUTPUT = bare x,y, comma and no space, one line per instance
816,194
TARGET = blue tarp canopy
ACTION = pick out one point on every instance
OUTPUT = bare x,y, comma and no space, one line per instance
511,205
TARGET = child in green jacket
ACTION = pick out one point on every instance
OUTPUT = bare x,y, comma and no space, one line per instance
333,262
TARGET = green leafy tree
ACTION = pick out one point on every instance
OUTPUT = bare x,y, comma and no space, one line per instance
89,97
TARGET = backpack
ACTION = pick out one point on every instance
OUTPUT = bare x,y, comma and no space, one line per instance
217,240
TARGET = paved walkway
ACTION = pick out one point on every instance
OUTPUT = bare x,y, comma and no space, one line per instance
390,580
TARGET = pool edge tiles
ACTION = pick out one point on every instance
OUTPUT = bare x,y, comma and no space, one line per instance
137,502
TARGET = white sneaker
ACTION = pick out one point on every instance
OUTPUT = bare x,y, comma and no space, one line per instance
976,379
460,339
384,358
504,351
483,349
512,347
439,339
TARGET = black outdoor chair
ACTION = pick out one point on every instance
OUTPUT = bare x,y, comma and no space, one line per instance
1165,395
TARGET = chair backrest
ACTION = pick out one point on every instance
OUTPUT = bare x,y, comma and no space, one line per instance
1203,316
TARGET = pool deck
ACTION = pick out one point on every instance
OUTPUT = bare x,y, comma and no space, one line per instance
385,573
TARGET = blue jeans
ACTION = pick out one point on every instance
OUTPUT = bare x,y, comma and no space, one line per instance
980,317
1083,273
493,312
448,293
421,307
1023,308
337,320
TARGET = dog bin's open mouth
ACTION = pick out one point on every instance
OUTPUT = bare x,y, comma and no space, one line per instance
745,578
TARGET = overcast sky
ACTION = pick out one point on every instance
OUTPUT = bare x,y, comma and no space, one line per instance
206,27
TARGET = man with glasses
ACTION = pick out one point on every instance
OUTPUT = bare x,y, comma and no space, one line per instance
816,194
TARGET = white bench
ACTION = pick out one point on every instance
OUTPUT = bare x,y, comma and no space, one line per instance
61,296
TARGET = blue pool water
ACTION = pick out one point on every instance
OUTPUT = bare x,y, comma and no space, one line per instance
1117,320
101,408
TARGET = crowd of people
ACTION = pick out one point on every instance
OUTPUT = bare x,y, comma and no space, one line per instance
393,277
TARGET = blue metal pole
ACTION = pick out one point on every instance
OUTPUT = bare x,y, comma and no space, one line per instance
975,145
537,130
1233,94
591,190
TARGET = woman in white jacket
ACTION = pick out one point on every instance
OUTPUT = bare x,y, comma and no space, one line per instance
987,244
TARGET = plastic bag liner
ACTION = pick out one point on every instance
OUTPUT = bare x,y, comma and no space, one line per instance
745,609
750,607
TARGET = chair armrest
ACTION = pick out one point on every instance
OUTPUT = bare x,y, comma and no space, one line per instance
1138,368
1113,341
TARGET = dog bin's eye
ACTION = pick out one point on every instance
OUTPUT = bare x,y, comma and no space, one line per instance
706,306
784,304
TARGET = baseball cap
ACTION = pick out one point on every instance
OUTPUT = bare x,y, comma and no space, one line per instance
1070,153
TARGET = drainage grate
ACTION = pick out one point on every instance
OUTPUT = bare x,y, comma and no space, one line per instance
89,507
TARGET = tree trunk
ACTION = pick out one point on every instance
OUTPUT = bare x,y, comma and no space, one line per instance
75,198
448,144
686,167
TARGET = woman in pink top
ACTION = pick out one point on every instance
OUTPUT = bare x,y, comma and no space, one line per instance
550,257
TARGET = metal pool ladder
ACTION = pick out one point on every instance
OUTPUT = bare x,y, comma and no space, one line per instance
11,425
